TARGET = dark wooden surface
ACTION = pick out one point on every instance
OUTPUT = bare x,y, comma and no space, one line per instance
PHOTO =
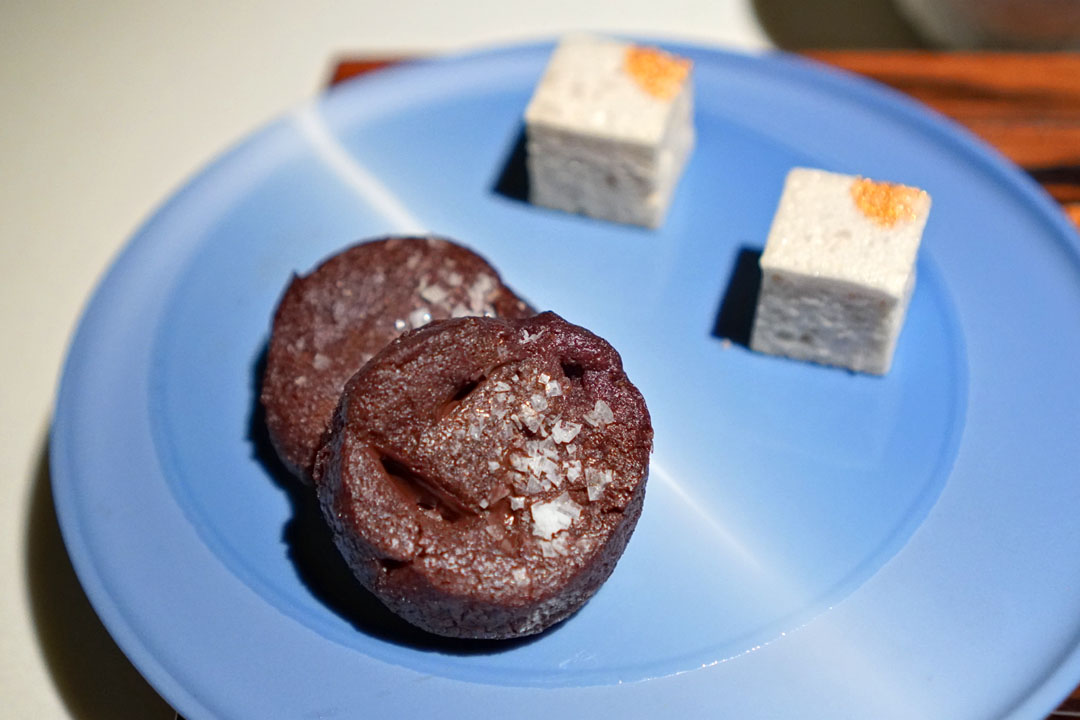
1027,105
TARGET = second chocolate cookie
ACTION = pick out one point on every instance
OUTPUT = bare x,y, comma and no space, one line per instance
333,320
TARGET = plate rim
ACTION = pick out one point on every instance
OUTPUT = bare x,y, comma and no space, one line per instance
1054,686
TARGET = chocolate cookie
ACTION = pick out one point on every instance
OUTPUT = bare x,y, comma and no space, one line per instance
482,476
333,320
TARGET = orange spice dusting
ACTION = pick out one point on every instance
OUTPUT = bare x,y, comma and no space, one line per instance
655,71
885,203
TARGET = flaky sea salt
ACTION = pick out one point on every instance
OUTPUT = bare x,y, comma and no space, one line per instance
545,447
478,292
555,516
600,415
434,294
528,417
564,432
596,480
520,463
555,547
551,471
533,486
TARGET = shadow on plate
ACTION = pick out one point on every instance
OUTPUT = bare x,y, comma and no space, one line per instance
735,317
94,679
835,24
513,181
321,567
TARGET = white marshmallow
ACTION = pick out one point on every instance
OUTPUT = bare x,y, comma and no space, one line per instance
838,270
599,142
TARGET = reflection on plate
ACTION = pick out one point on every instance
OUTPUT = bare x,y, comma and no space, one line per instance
860,538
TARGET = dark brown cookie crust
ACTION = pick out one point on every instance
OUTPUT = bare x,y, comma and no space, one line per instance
483,476
333,320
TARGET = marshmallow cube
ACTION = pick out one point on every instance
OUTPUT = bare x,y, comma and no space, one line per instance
838,270
608,130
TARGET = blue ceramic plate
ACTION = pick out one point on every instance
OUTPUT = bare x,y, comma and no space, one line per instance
815,544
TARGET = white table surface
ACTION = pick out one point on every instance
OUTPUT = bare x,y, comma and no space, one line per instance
107,108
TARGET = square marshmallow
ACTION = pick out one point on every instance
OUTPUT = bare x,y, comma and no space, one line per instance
838,269
609,129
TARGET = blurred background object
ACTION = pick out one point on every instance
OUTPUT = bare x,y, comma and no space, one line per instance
996,24
835,24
